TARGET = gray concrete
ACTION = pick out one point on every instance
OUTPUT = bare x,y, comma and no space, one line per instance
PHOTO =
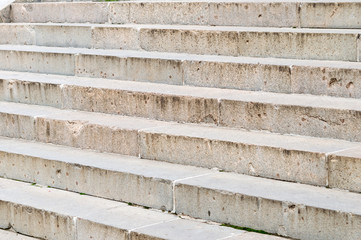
345,169
318,44
295,210
281,113
54,214
143,79
330,14
121,178
109,133
267,74
291,158
265,13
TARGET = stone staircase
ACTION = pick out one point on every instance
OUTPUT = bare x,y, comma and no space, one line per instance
180,120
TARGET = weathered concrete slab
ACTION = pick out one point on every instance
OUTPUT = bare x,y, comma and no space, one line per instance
295,210
122,178
60,12
302,159
330,14
265,13
289,115
261,74
96,131
318,116
318,44
345,169
58,214
288,158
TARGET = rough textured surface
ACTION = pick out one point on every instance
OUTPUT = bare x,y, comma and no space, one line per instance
59,12
292,119
76,170
292,158
269,155
330,14
96,131
163,64
301,211
225,40
332,78
345,168
5,15
59,215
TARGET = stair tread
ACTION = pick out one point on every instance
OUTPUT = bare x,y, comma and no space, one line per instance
293,193
106,161
280,99
287,192
184,56
84,209
294,142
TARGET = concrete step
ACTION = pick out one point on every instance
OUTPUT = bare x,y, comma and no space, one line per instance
265,13
54,214
291,158
295,210
8,235
117,177
334,78
317,44
307,115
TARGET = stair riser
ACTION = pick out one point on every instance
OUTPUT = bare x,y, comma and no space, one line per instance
124,102
320,46
50,225
59,225
71,133
37,222
316,122
153,70
5,15
145,191
277,163
332,81
344,168
287,219
285,119
56,63
281,14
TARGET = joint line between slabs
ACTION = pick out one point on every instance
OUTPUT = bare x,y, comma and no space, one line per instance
149,225
178,180
236,235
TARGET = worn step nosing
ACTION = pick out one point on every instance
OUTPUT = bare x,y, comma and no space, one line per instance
208,198
233,41
280,113
63,82
72,216
224,188
94,173
289,158
282,75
